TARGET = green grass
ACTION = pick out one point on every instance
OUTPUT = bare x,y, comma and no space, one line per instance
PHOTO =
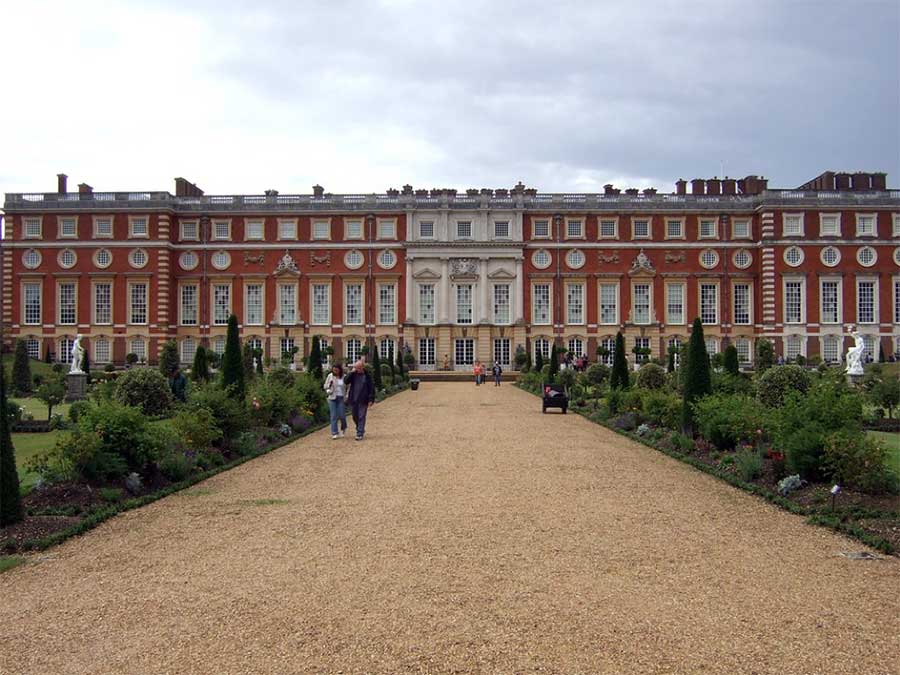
38,408
27,446
45,370
7,562
892,442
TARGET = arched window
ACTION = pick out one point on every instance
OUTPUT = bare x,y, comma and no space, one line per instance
100,350
542,347
139,347
386,349
609,345
674,344
65,349
354,350
33,345
188,350
576,347
831,349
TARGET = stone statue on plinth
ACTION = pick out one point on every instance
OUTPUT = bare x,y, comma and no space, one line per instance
855,354
77,356
76,380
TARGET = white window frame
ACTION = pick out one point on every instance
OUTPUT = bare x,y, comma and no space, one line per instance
840,305
216,318
700,287
248,319
353,223
801,284
391,316
95,318
744,347
615,224
97,356
59,318
714,234
498,317
249,225
617,306
789,341
674,221
874,232
320,229
462,237
682,287
459,318
316,318
549,304
896,286
835,340
749,286
182,320
579,234
358,305
634,224
570,319
287,229
534,228
96,227
745,222
60,234
634,303
423,320
875,298
30,222
287,315
896,224
184,235
132,286
225,235
837,221
498,235
381,234
40,303
784,224
137,235
422,235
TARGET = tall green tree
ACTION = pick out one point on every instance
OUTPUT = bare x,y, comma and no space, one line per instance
401,373
314,363
258,356
697,379
376,370
618,379
11,510
765,356
539,361
670,364
200,367
169,360
232,367
247,362
554,363
86,364
21,372
731,360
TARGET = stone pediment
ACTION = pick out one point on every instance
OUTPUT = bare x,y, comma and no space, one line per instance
427,274
642,266
501,274
287,265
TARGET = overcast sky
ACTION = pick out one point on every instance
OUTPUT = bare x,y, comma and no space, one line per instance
364,96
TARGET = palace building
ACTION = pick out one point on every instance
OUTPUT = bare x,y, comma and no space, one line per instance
454,276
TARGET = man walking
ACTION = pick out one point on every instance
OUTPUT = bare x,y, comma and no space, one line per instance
360,396
496,371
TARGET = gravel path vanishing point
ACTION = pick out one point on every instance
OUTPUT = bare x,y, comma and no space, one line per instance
467,534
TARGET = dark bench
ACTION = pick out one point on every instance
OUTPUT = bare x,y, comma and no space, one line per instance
554,396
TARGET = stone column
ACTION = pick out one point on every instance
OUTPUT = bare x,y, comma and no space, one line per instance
520,291
444,300
483,314
409,292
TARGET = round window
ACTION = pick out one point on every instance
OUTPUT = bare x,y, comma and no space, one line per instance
575,259
188,260
31,258
793,256
387,259
138,258
709,258
541,259
67,258
897,255
742,259
353,259
830,256
221,260
866,256
103,258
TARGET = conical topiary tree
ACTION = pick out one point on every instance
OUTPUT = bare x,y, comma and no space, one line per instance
670,364
258,356
554,363
232,367
376,370
697,378
21,372
247,362
539,361
11,510
618,379
400,371
765,356
200,367
86,364
314,363
168,359
731,360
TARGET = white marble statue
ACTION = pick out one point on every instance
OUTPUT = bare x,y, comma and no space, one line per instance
855,353
77,356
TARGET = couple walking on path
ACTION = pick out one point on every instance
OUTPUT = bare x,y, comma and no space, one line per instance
496,371
356,390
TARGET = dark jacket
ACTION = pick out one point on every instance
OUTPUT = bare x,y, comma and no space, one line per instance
497,370
178,385
362,388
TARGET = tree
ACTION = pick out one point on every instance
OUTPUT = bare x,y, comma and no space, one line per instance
200,367
376,370
670,364
528,366
11,510
401,374
539,361
247,362
168,359
697,380
258,355
554,363
21,372
314,363
52,393
232,368
619,377
765,356
885,393
86,365
880,351
731,360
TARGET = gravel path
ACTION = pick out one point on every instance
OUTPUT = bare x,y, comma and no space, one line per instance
467,534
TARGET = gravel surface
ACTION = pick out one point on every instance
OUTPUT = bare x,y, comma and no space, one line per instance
468,533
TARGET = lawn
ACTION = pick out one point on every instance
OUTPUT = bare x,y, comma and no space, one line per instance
45,370
38,408
27,446
892,442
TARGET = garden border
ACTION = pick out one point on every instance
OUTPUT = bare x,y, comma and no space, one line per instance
99,516
832,522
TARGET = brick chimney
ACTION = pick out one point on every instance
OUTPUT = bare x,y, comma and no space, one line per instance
318,191
842,181
713,186
698,186
649,192
85,189
729,186
185,188
631,192
407,189
879,181
608,189
860,180
61,179
681,186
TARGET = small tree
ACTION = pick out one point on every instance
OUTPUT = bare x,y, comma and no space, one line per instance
376,370
880,351
539,361
697,380
670,363
765,356
885,393
731,360
247,362
168,359
527,367
314,363
619,377
400,372
52,393
21,372
554,363
86,365
200,367
258,357
232,368
11,510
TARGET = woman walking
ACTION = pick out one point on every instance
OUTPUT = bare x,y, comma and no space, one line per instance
335,388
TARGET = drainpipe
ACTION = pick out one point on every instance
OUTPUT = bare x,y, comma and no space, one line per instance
726,291
205,314
370,286
557,314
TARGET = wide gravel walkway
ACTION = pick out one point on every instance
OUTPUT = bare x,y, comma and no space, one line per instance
468,533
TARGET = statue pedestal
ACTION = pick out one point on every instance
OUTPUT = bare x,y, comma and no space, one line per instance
76,386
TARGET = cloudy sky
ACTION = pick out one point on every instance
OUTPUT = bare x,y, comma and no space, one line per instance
362,96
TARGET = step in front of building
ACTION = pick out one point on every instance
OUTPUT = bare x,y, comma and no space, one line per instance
458,375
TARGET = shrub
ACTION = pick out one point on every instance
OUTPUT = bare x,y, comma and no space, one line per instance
883,391
196,428
730,360
539,361
131,358
123,431
748,463
661,408
200,367
169,360
625,422
681,442
614,400
83,454
11,510
376,370
726,421
283,376
230,414
177,465
270,402
597,374
232,367
775,383
726,383
246,443
631,401
651,376
314,363
144,388
566,378
803,423
554,363
697,382
76,409
21,370
310,399
857,460
765,356
619,378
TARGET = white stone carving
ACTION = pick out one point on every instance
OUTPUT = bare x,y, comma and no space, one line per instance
463,267
855,353
286,264
77,357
